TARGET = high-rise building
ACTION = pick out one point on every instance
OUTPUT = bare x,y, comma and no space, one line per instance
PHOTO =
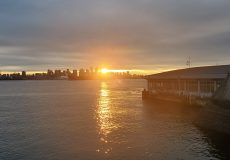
81,73
68,72
50,72
23,74
91,70
75,73
57,73
87,73
96,70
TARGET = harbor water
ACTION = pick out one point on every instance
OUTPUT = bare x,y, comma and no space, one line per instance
56,120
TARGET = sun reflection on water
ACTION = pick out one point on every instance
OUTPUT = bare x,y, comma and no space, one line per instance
105,119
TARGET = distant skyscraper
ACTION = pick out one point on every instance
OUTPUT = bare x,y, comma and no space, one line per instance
23,74
91,70
96,70
81,73
49,72
57,73
68,72
75,73
87,73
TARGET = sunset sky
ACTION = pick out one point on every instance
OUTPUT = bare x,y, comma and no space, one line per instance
143,35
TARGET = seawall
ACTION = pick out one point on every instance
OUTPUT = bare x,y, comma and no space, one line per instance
209,115
214,117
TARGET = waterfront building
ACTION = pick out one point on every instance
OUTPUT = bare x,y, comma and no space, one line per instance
198,82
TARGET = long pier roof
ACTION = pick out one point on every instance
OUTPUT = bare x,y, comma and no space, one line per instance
205,72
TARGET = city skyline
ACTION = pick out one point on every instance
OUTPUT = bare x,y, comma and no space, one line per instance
99,69
75,74
146,36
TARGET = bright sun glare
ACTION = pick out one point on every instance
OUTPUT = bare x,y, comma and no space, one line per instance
104,70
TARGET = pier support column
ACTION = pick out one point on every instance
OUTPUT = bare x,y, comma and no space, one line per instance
185,87
179,87
198,87
215,86
148,85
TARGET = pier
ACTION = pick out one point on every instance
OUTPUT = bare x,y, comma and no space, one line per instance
191,85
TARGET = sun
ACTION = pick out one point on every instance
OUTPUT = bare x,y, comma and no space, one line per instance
104,70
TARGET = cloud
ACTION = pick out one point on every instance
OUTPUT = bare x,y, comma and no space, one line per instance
127,33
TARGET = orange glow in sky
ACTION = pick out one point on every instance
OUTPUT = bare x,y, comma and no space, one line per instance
105,70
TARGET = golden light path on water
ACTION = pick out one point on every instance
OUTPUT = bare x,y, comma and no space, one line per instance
96,120
104,117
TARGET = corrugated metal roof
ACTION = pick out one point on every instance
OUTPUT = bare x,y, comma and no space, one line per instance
206,72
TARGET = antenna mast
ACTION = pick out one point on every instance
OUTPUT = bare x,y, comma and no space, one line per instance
188,63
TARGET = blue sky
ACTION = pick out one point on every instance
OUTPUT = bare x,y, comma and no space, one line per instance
151,35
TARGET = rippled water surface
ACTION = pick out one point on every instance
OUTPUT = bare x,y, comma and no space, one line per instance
57,120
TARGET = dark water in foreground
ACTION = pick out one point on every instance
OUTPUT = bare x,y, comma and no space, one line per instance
57,120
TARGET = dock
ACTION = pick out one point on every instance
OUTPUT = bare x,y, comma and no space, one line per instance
196,85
